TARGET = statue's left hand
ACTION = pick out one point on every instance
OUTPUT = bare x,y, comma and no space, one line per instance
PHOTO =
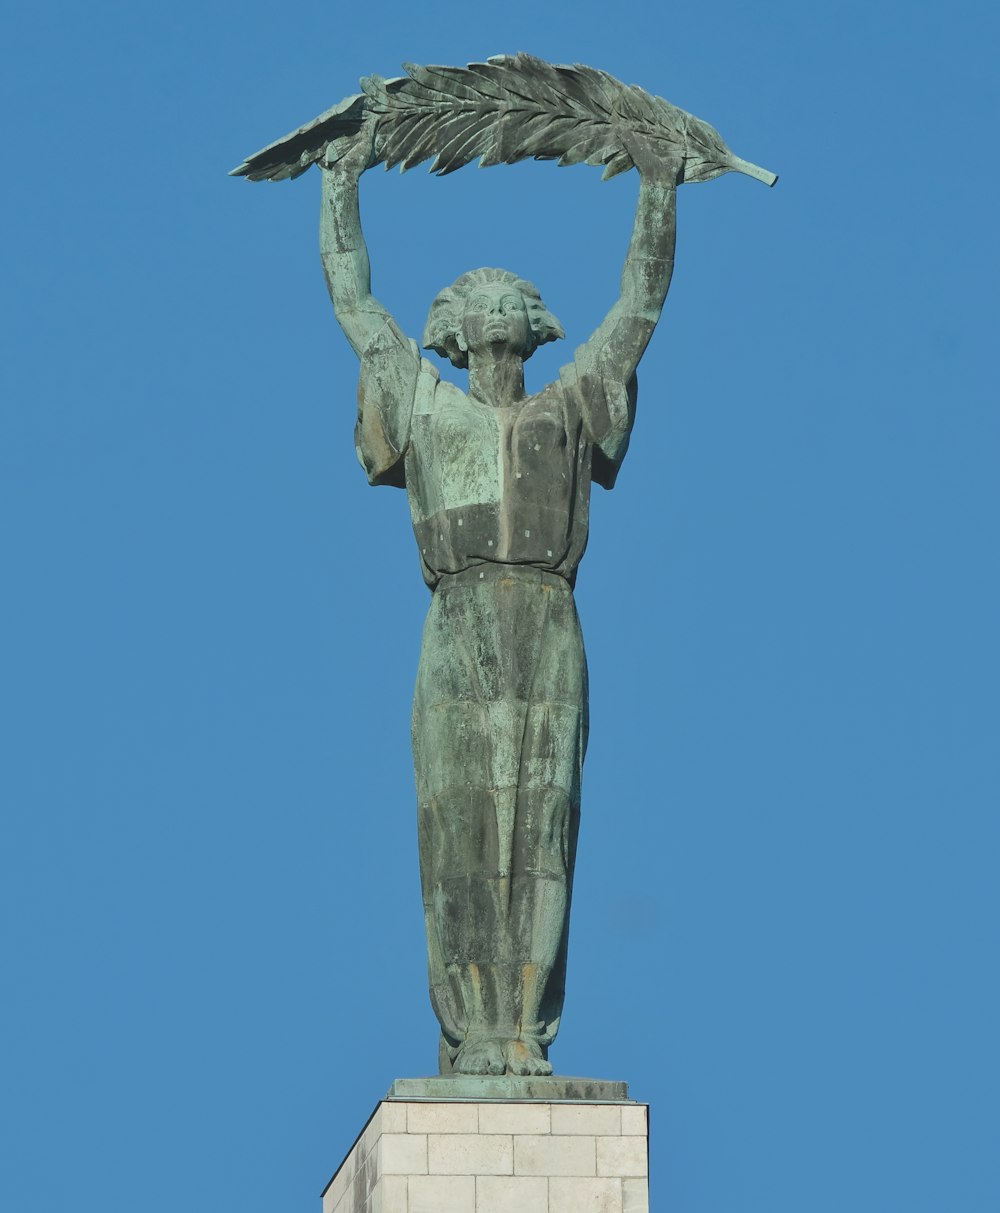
658,161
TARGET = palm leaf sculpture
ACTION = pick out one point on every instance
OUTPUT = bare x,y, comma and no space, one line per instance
513,107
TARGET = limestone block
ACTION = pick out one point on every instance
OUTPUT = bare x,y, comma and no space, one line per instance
391,1118
389,1196
580,1195
441,1194
622,1156
512,1194
335,1190
470,1154
597,1120
551,1155
359,1172
442,1117
635,1120
403,1154
635,1195
515,1118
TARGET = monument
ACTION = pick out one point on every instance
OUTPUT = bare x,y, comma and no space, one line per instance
498,483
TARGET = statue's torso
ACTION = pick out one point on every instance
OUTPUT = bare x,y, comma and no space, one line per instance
497,485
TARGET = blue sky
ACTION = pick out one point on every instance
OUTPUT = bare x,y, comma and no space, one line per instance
785,922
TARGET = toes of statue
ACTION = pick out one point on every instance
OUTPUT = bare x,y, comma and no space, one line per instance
480,1057
524,1058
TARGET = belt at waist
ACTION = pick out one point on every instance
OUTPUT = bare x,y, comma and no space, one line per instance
476,574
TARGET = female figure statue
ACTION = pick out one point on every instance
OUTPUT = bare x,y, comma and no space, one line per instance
499,491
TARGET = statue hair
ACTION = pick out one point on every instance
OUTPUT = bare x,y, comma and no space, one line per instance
444,321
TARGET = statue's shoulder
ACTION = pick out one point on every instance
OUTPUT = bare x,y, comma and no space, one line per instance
426,366
580,374
428,381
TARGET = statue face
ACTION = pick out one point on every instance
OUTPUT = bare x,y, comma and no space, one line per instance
495,315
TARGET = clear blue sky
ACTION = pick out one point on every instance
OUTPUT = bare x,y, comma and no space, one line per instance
785,930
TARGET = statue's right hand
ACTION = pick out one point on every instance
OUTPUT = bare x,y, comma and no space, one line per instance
352,155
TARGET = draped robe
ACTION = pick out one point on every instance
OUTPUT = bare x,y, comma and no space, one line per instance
500,500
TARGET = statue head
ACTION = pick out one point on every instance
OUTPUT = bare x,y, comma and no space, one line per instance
488,307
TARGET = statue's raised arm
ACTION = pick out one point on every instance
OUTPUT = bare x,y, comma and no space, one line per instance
616,346
345,253
389,362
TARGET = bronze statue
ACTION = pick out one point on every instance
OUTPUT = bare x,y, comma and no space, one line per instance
498,483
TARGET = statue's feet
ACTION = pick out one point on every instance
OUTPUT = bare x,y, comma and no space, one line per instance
524,1058
479,1057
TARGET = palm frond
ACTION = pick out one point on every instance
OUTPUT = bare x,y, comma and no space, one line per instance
510,108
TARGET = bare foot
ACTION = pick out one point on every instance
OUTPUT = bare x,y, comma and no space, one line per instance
479,1057
524,1057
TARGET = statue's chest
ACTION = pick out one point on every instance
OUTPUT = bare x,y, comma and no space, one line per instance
465,453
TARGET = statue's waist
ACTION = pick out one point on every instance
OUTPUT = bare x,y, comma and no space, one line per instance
477,574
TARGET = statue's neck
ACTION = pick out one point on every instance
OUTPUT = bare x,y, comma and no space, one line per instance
499,381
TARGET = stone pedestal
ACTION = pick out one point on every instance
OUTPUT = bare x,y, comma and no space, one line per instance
509,1152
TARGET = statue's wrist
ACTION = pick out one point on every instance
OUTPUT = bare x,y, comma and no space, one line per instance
660,178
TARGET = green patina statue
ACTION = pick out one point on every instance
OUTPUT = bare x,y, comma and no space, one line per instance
498,483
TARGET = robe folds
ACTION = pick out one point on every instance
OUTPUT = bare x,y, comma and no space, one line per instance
499,499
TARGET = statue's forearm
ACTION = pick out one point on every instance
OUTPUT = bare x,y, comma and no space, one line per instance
649,263
621,340
345,261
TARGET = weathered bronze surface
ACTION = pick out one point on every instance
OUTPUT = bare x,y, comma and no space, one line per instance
498,483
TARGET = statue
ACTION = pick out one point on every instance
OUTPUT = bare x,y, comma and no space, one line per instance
499,490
